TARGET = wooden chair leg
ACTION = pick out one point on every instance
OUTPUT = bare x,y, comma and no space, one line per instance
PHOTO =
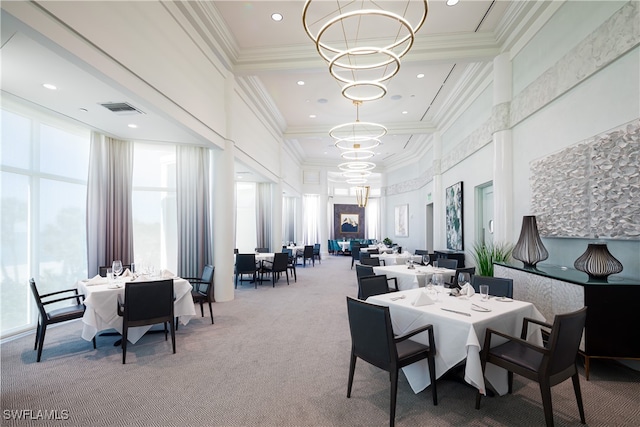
545,391
394,394
43,331
576,388
210,312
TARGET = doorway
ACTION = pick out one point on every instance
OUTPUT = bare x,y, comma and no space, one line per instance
484,213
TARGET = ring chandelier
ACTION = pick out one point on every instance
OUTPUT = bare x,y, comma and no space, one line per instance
362,42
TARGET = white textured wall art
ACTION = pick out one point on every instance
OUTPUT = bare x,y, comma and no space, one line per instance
591,189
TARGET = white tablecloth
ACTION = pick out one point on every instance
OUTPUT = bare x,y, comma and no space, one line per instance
458,337
412,278
344,246
381,250
397,259
102,308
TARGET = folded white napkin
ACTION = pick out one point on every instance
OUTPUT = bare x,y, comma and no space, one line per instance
422,299
467,290
166,274
98,280
127,273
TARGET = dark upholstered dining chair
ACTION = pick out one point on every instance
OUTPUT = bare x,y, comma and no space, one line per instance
450,264
375,285
202,289
262,250
374,262
364,270
373,341
246,264
147,303
45,318
498,286
291,262
316,252
279,265
307,254
102,270
355,253
548,365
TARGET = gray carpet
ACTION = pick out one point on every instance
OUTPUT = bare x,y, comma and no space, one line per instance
275,357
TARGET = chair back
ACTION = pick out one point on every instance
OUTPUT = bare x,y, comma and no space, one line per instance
102,270
148,301
205,287
564,340
370,261
280,261
355,252
316,249
262,250
36,296
498,286
308,251
372,285
353,244
373,251
421,252
364,270
245,263
450,264
371,333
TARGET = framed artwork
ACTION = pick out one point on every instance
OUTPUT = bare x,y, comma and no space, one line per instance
453,216
349,223
402,221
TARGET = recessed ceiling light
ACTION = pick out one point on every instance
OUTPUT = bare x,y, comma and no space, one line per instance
49,86
276,17
132,125
84,110
312,116
300,83
396,97
405,112
420,76
452,2
322,101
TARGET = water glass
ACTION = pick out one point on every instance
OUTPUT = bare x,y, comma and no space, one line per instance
484,291
109,274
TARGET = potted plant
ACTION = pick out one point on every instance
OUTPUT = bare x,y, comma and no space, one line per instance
485,254
387,241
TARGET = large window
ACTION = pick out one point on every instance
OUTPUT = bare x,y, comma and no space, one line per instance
246,240
155,225
44,172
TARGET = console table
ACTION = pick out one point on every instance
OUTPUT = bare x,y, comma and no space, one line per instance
611,329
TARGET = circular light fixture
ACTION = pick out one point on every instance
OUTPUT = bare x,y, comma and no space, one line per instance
300,83
49,86
357,154
350,91
356,181
362,174
356,166
357,131
277,17
366,144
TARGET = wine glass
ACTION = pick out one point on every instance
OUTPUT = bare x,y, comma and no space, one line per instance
426,259
116,266
463,279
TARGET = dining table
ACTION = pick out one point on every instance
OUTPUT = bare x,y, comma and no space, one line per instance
397,259
381,249
459,325
344,245
101,313
410,278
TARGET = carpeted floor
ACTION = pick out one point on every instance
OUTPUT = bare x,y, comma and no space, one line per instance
275,357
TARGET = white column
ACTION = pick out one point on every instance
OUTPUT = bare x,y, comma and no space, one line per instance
502,150
276,216
439,226
324,217
223,220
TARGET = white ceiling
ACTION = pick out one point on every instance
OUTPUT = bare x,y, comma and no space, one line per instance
278,54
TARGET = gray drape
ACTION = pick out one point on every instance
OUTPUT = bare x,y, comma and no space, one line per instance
194,211
109,210
263,215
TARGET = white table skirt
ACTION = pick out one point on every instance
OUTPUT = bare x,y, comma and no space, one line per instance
344,246
101,311
458,337
397,259
412,278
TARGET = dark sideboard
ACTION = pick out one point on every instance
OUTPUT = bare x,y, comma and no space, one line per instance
611,329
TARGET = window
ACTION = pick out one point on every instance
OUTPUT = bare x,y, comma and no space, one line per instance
155,224
246,232
44,171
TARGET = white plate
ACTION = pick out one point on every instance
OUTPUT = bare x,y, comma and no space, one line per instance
504,299
115,286
482,310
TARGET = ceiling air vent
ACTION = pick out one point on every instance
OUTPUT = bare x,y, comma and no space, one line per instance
121,108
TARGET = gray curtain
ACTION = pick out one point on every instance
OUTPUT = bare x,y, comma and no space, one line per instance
194,212
109,210
263,215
